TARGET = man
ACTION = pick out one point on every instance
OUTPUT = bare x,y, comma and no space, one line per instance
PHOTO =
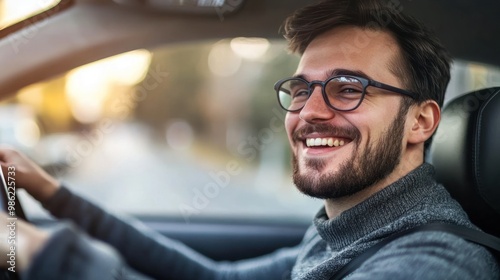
363,102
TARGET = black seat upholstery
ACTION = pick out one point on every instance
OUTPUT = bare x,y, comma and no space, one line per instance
466,154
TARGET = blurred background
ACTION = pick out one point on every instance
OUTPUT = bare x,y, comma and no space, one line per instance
182,130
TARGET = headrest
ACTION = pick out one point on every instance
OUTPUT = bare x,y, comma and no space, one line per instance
466,154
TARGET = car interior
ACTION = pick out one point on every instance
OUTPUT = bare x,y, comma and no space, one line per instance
464,156
213,174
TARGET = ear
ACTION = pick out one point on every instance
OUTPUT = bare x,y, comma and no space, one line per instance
424,121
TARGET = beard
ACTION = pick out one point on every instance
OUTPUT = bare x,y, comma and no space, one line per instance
358,172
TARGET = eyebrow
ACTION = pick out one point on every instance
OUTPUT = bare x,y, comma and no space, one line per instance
336,72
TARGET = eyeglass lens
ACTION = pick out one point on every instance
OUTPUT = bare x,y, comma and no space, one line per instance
342,92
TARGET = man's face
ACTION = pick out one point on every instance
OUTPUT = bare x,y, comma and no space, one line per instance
367,142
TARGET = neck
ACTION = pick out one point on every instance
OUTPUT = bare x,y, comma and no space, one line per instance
335,206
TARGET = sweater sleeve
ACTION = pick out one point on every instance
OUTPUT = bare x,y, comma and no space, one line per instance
89,259
156,255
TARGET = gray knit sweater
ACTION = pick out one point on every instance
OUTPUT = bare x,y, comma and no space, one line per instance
328,244
414,200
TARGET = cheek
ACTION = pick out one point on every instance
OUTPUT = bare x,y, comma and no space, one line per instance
368,126
291,121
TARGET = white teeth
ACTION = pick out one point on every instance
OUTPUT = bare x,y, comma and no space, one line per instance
311,142
330,142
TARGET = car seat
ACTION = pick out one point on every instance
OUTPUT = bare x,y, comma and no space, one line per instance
465,154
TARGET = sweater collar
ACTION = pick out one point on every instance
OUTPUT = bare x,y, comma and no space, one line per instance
377,211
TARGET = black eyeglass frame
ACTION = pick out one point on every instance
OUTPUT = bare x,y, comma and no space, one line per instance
364,82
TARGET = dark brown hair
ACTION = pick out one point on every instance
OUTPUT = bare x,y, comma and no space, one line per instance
423,63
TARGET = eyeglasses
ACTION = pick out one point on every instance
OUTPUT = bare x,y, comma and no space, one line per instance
342,93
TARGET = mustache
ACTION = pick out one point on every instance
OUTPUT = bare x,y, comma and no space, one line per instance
323,128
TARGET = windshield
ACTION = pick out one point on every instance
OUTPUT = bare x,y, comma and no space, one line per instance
185,130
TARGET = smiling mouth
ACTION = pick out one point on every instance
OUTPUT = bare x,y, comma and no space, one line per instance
325,142
324,137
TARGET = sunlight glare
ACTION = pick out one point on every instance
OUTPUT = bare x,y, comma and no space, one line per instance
12,11
88,86
250,48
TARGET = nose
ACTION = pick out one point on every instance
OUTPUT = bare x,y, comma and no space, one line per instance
316,109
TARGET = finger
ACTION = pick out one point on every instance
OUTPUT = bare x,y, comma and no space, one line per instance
6,153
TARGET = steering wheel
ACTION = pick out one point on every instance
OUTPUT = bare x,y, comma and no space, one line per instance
7,275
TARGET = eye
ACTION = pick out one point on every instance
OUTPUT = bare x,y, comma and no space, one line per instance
300,93
350,89
344,87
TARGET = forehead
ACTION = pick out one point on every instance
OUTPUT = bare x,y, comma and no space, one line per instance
370,51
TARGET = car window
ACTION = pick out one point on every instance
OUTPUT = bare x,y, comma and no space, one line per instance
11,11
468,76
187,130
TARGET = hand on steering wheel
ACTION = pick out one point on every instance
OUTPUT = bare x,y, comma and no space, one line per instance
28,175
